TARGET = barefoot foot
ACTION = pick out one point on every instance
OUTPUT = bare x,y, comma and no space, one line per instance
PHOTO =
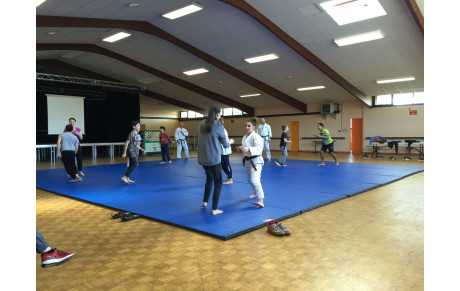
217,211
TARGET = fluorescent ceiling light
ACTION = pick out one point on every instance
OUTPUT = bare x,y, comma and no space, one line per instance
404,79
349,11
249,95
261,58
189,8
195,72
357,38
116,36
310,88
38,2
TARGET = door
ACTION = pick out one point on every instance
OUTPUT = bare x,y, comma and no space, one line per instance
356,135
294,131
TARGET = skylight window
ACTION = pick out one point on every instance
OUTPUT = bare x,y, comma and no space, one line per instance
349,11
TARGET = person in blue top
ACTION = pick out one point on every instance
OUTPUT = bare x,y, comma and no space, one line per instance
211,137
328,144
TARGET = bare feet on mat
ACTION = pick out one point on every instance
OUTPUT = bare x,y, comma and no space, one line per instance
125,179
252,196
170,161
322,164
204,204
260,204
284,165
162,162
81,173
336,163
217,211
228,181
130,181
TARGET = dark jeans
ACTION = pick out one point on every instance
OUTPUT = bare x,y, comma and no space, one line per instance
226,165
68,158
79,158
165,151
132,165
213,177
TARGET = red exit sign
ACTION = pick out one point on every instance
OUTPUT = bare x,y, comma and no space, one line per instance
412,111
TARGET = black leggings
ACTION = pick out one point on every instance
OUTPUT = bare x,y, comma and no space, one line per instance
213,177
79,158
165,151
68,158
132,165
226,165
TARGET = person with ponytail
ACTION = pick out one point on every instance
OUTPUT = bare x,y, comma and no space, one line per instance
211,139
252,147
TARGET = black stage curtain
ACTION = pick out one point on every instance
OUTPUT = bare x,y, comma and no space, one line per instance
106,119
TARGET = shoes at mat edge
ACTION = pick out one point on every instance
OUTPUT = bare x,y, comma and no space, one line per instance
273,228
283,228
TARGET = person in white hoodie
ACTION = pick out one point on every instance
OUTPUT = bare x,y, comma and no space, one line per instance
252,147
211,138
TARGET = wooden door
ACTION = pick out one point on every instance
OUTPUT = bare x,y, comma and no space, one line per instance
356,135
294,132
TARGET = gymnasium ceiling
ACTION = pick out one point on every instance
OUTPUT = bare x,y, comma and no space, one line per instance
219,37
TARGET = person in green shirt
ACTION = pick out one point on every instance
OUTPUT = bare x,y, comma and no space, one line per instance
328,144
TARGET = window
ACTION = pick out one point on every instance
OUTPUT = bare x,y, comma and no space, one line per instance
228,111
400,99
225,112
191,114
383,100
183,114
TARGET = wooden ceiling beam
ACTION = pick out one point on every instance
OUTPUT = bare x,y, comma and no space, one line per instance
146,27
187,85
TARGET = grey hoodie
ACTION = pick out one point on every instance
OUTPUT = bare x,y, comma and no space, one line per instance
210,144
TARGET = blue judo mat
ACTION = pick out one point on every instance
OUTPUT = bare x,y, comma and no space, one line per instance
173,193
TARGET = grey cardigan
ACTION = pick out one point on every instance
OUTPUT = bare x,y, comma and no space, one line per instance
210,144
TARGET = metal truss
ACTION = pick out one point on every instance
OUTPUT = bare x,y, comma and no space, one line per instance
88,82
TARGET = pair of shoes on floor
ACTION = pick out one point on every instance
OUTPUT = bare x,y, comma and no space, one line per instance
379,157
365,156
406,159
277,228
125,216
392,158
55,257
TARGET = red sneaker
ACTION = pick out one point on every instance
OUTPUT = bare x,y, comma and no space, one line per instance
54,258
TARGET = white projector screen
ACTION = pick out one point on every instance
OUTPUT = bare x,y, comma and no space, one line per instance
61,108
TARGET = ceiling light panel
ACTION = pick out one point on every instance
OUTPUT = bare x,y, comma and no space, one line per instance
182,11
358,38
349,11
263,58
402,79
117,36
310,88
196,72
249,95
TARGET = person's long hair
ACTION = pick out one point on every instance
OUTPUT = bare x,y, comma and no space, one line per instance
213,110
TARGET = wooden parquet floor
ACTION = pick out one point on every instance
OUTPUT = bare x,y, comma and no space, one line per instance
372,241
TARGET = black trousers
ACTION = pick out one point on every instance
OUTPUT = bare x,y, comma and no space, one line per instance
132,165
213,177
226,165
68,158
79,158
165,151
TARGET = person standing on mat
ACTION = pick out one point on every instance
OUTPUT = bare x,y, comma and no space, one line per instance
131,149
180,135
265,131
211,137
281,162
252,147
328,144
77,132
225,158
164,143
67,146
50,257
